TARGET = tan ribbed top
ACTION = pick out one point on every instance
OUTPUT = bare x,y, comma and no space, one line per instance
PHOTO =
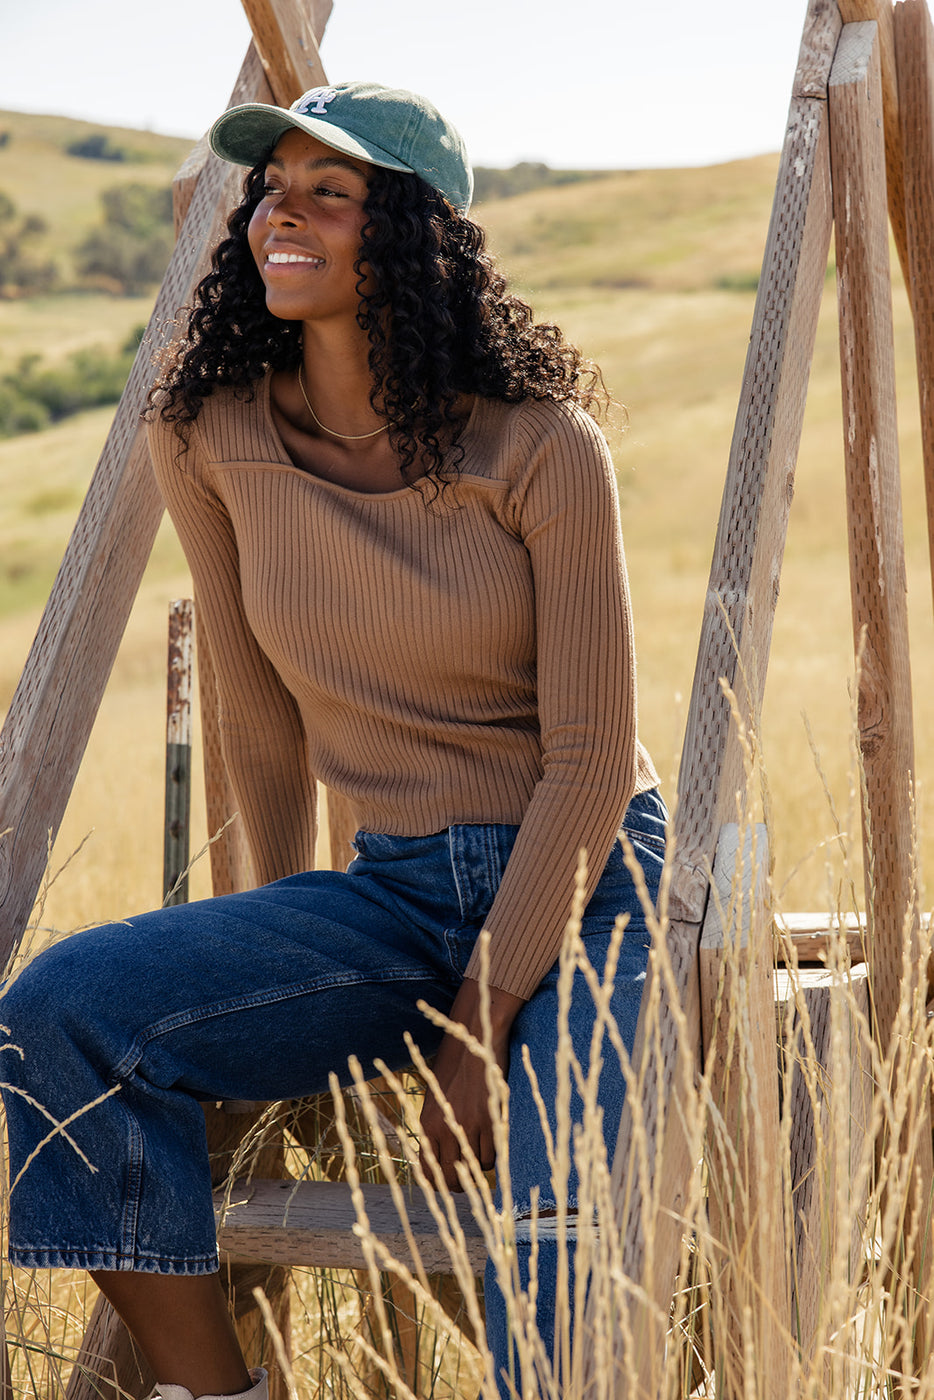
462,657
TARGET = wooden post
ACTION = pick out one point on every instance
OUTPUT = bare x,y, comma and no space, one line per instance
178,755
914,49
828,1214
737,624
747,1252
879,588
286,36
852,12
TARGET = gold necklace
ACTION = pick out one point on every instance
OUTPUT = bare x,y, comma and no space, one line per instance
348,437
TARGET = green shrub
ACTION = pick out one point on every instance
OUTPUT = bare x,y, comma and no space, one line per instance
490,183
131,248
97,146
738,282
33,396
21,272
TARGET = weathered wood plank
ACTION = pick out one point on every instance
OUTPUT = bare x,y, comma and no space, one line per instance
914,49
877,557
177,823
312,1223
810,934
744,1197
744,574
827,1240
738,613
109,1364
286,35
185,180
878,584
853,11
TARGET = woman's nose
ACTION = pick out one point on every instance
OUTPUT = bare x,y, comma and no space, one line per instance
283,213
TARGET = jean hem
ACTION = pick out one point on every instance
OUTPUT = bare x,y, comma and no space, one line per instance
112,1261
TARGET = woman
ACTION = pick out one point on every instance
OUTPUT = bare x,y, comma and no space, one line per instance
402,525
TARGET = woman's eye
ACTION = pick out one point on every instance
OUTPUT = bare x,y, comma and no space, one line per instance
332,194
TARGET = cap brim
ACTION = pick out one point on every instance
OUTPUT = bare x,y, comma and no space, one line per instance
246,135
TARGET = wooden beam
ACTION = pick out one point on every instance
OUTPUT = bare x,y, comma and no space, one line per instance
854,11
177,825
750,1292
286,35
651,1195
750,542
879,600
877,556
914,50
312,1223
837,1081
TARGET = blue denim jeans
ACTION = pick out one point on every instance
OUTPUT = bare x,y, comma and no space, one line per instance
262,995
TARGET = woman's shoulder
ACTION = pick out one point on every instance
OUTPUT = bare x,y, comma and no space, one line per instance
514,437
233,424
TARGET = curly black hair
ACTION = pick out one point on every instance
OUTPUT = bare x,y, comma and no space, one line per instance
455,328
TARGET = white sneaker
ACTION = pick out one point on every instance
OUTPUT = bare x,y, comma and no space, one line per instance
258,1391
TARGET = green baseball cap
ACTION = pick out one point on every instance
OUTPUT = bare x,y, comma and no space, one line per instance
387,126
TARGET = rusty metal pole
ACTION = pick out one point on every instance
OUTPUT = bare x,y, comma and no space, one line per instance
178,754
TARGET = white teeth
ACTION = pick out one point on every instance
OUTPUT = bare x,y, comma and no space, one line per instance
292,258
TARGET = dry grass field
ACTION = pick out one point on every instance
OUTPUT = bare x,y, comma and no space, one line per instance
652,273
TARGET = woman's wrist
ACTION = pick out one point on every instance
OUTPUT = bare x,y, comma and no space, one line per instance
504,1008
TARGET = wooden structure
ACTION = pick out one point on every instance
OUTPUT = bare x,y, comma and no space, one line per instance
843,138
856,117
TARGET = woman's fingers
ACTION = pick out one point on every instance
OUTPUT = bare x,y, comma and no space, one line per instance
461,1078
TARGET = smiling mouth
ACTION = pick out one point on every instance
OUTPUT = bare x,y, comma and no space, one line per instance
278,259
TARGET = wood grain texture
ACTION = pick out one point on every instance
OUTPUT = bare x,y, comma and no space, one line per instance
878,587
914,50
312,1223
828,1222
750,1295
811,934
109,1365
185,180
286,34
880,11
822,25
749,547
877,558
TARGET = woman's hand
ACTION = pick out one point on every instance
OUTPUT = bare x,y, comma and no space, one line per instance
461,1077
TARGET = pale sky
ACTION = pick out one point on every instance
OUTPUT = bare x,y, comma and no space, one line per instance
618,83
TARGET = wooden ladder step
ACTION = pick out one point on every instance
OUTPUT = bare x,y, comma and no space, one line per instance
311,1223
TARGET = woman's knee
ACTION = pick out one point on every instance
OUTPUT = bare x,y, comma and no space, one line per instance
63,993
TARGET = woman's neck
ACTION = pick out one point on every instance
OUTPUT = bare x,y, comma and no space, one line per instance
335,385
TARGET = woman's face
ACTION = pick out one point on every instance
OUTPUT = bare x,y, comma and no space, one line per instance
306,232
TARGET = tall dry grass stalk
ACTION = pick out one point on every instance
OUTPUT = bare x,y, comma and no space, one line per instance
834,1190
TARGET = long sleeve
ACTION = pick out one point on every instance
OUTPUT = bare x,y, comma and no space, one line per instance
261,728
437,657
567,514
